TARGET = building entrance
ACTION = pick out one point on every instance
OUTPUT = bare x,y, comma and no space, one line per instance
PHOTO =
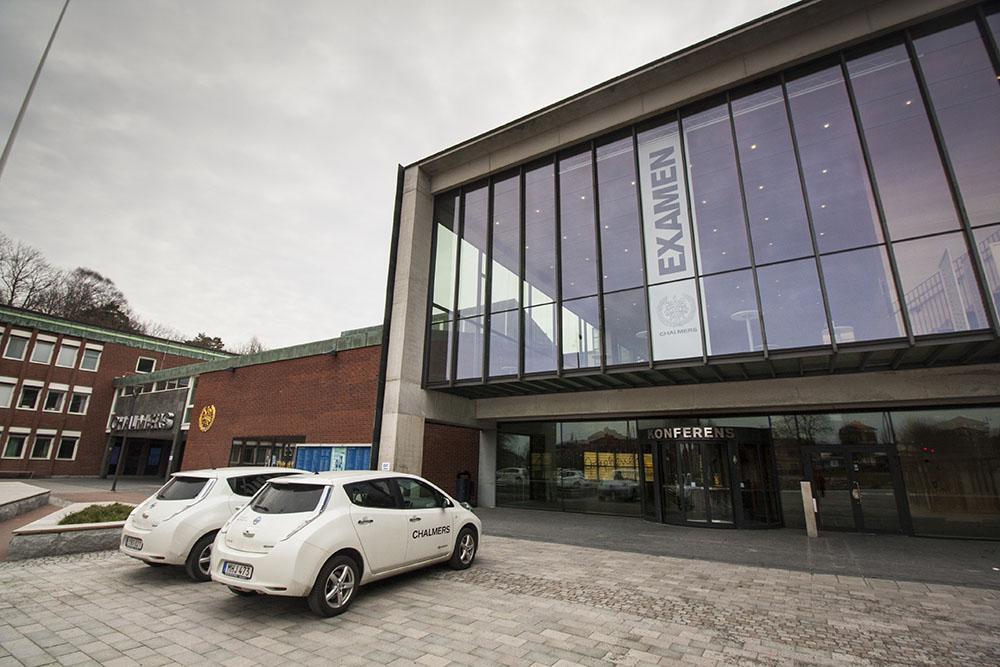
856,488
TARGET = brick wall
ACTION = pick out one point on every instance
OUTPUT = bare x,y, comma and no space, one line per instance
449,450
324,398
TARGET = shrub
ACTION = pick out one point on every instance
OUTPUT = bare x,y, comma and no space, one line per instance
98,514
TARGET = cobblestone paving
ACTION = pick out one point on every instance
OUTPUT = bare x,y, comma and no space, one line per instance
522,603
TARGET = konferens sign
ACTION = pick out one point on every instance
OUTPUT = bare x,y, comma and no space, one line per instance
673,297
157,421
692,433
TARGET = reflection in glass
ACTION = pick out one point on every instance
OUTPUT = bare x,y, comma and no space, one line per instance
504,337
731,313
504,285
540,338
939,288
715,191
988,245
840,197
539,235
778,223
446,253
904,155
793,305
576,224
860,428
598,467
526,467
621,246
581,333
863,303
439,348
951,470
472,255
788,461
626,334
966,98
470,349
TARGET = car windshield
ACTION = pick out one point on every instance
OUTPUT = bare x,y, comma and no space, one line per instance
287,498
182,488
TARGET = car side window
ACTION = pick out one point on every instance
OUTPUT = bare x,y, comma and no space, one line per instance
416,495
376,493
249,485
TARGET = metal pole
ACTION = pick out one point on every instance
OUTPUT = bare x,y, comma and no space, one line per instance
31,89
121,452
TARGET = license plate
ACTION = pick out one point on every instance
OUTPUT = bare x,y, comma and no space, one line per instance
133,543
237,570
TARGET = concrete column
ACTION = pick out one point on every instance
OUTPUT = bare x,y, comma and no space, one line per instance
809,507
486,493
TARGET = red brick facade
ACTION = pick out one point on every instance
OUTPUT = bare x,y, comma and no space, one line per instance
323,398
116,360
449,450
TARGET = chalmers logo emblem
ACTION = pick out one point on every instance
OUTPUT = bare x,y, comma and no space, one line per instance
206,418
676,310
430,532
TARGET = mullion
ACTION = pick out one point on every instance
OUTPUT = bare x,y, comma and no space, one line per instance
642,240
691,230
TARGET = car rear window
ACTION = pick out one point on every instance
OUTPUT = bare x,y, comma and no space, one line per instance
182,488
288,498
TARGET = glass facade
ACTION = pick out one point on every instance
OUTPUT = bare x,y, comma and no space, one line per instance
927,472
851,200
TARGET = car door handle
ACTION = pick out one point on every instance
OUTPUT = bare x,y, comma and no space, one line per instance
414,518
364,521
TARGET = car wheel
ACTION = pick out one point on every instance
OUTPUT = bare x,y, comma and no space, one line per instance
335,587
465,549
199,561
242,592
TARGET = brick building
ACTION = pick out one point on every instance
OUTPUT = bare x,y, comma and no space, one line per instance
56,389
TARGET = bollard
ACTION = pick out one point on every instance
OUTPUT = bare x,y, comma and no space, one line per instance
809,508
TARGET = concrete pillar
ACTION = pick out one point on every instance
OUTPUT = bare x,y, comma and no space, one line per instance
486,493
809,507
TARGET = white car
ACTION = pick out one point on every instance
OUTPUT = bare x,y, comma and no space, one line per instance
177,525
323,535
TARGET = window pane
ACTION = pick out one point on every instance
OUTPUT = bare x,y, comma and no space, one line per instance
472,257
446,253
16,347
6,394
581,333
67,448
42,447
505,286
504,340
731,317
940,293
793,305
715,191
778,223
540,338
29,397
676,320
42,354
621,245
539,235
908,171
966,98
53,400
470,349
67,356
439,349
988,243
576,224
15,446
994,22
626,334
862,428
840,197
90,360
863,303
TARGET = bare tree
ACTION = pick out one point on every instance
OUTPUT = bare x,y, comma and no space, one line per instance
26,279
252,346
151,328
84,295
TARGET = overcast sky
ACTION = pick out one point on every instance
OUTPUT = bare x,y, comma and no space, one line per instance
231,164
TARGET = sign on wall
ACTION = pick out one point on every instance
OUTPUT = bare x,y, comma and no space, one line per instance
158,421
206,418
676,320
666,223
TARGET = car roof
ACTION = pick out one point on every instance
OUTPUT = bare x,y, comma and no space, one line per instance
237,471
343,477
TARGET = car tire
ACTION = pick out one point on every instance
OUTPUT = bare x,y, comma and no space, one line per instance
199,561
335,588
466,546
242,592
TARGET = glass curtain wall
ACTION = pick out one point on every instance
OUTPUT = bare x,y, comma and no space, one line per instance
850,200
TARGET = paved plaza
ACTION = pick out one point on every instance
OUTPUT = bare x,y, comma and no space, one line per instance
524,602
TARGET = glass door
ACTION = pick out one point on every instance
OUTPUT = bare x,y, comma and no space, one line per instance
856,489
695,483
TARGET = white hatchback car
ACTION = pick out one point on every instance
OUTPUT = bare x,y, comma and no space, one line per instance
177,525
323,535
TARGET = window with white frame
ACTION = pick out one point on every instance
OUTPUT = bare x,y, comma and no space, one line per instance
16,347
41,448
145,365
91,359
14,447
78,402
68,353
42,352
7,386
54,399
29,397
67,447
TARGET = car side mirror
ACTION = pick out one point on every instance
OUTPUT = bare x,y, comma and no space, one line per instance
445,503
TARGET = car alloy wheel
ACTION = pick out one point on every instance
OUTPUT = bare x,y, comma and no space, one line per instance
205,560
467,549
339,586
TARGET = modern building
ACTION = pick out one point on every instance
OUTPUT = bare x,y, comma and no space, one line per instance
56,388
773,256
